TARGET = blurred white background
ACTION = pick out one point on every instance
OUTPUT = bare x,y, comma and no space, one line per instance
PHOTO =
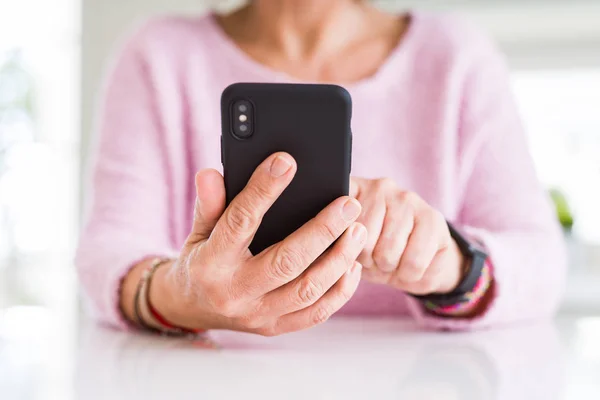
52,55
39,147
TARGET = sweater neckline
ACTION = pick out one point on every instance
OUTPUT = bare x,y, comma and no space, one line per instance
263,72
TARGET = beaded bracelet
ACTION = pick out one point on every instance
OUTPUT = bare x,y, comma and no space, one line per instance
143,306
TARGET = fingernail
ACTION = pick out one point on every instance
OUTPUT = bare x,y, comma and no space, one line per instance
280,166
351,210
359,233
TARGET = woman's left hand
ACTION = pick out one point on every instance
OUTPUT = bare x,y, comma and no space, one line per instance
409,245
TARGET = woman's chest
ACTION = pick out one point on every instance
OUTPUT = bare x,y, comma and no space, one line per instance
392,138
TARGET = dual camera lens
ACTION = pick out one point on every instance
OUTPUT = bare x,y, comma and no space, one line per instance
242,122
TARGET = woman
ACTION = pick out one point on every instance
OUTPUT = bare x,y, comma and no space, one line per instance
436,138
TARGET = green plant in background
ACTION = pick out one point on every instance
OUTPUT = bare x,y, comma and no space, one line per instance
16,103
16,89
563,211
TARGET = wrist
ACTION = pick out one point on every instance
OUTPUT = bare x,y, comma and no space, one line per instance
474,277
475,302
128,291
167,299
458,266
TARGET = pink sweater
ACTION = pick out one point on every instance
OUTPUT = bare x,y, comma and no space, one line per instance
438,118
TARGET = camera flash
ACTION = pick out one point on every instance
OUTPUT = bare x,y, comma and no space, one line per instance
243,118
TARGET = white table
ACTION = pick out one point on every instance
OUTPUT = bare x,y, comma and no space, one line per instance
343,359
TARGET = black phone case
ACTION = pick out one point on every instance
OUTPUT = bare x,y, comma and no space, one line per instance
310,122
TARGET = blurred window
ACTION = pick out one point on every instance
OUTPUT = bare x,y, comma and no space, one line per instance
561,111
39,148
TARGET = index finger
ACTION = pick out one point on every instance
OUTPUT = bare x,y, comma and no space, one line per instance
237,226
285,261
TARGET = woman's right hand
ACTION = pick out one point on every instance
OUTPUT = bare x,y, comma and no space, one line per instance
218,284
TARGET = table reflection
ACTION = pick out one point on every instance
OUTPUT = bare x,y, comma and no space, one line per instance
345,359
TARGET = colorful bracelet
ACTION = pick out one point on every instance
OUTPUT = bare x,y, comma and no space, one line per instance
472,299
146,314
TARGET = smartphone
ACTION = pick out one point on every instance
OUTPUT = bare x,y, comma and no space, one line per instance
311,122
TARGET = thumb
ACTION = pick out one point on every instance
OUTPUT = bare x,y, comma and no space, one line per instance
210,204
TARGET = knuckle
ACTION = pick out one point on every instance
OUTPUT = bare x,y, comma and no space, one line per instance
251,323
260,190
382,257
438,218
285,263
321,315
386,183
433,217
328,231
240,219
267,331
412,264
409,197
344,258
227,308
309,291
195,237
